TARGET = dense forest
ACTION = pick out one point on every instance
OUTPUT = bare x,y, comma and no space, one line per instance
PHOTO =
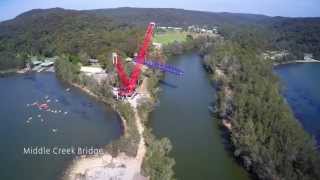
177,17
298,35
95,33
266,137
57,31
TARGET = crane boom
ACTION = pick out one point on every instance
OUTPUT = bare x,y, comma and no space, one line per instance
124,81
128,85
141,56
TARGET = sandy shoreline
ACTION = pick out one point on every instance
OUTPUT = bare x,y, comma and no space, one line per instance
105,166
228,92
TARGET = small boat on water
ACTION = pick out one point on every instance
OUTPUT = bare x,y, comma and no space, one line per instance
54,130
68,89
43,105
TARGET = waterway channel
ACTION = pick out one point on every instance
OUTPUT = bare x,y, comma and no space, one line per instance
183,117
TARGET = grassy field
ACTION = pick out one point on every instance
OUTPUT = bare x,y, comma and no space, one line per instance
169,37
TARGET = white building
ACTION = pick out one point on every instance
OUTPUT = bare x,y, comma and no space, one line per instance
308,56
89,70
157,45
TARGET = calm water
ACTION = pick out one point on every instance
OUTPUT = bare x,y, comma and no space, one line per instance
302,91
88,123
183,117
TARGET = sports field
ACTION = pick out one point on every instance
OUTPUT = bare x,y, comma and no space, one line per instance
169,37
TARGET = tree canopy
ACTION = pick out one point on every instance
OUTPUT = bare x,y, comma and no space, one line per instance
267,138
57,31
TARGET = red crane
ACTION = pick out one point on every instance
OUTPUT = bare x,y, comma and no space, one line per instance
127,86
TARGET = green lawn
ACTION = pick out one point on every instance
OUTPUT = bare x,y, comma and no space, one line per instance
169,37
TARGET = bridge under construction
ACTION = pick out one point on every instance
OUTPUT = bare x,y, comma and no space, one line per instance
128,84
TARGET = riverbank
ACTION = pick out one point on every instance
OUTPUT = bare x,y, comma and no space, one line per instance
264,134
183,117
228,93
8,72
106,166
297,61
25,70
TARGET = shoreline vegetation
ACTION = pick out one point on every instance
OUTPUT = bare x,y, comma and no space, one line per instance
137,154
7,72
266,138
296,62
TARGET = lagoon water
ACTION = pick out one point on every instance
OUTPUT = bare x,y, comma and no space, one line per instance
86,124
183,117
302,91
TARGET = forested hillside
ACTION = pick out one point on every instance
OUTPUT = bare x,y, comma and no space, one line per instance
177,17
95,33
58,31
298,35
